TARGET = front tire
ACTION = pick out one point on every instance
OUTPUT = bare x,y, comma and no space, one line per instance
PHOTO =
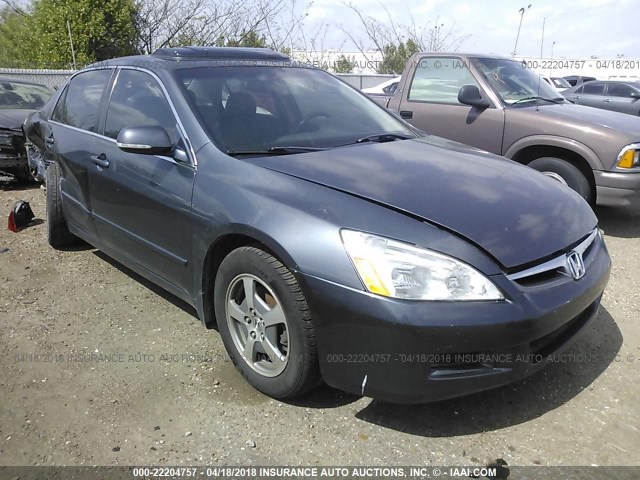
565,173
265,323
58,232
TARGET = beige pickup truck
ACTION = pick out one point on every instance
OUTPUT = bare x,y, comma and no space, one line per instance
499,105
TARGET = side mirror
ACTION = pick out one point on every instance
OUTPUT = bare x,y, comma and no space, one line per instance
145,140
470,95
634,95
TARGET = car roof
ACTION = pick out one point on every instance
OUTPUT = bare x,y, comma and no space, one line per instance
166,58
20,80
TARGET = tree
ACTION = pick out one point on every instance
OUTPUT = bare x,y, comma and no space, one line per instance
100,29
344,64
398,42
12,25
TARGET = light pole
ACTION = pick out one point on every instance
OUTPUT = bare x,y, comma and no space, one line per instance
552,45
522,10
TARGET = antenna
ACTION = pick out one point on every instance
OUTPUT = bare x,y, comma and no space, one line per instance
73,53
544,20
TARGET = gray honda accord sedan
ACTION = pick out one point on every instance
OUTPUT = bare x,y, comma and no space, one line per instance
327,239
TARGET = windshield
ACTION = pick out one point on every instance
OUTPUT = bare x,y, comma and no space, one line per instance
514,82
560,82
22,96
252,108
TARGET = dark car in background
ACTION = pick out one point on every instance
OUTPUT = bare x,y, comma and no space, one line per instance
18,99
574,80
326,238
610,95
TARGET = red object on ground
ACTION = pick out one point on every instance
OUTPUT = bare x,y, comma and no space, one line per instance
12,222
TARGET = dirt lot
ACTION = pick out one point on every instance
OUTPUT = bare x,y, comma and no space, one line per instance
159,388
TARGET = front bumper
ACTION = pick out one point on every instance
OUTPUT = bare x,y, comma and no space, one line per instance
12,151
413,352
617,189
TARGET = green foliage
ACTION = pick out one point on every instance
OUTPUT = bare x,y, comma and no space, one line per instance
12,25
394,57
101,29
249,38
344,64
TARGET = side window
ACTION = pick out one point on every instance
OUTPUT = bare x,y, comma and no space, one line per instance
58,111
137,101
79,104
579,90
438,80
619,90
593,88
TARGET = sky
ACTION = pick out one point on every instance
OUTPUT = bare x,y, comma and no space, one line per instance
580,29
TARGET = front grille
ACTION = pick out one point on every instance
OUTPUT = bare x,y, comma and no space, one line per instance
11,144
555,270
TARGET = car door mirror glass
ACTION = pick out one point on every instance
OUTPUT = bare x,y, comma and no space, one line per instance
151,140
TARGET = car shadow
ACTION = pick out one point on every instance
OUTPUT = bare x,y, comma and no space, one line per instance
621,222
499,408
512,404
177,302
7,183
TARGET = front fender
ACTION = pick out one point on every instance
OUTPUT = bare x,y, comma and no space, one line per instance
554,141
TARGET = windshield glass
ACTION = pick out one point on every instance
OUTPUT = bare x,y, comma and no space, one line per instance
258,107
512,81
560,82
22,96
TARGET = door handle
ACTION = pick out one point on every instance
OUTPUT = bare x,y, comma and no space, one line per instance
50,140
100,160
607,100
576,97
406,114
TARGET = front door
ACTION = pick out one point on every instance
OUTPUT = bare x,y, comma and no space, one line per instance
142,203
430,102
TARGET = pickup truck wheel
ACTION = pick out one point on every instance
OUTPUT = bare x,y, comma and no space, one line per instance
565,173
265,323
58,233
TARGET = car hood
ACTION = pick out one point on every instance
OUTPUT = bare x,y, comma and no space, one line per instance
589,117
514,213
13,119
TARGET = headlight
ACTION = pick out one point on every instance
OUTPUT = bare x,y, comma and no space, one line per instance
629,157
399,270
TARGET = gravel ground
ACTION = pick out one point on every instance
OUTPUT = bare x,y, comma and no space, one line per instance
169,395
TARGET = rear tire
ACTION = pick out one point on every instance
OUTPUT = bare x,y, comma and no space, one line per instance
58,232
270,337
567,173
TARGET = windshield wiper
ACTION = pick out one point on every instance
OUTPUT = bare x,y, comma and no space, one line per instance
382,137
535,97
275,150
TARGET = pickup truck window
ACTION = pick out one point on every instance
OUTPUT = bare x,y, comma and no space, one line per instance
512,81
439,79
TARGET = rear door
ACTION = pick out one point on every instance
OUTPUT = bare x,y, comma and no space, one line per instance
590,94
619,98
142,203
430,102
70,141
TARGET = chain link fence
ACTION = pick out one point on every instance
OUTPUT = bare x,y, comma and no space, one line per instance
51,78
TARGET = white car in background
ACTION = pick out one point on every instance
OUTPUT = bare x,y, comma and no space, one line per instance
386,88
